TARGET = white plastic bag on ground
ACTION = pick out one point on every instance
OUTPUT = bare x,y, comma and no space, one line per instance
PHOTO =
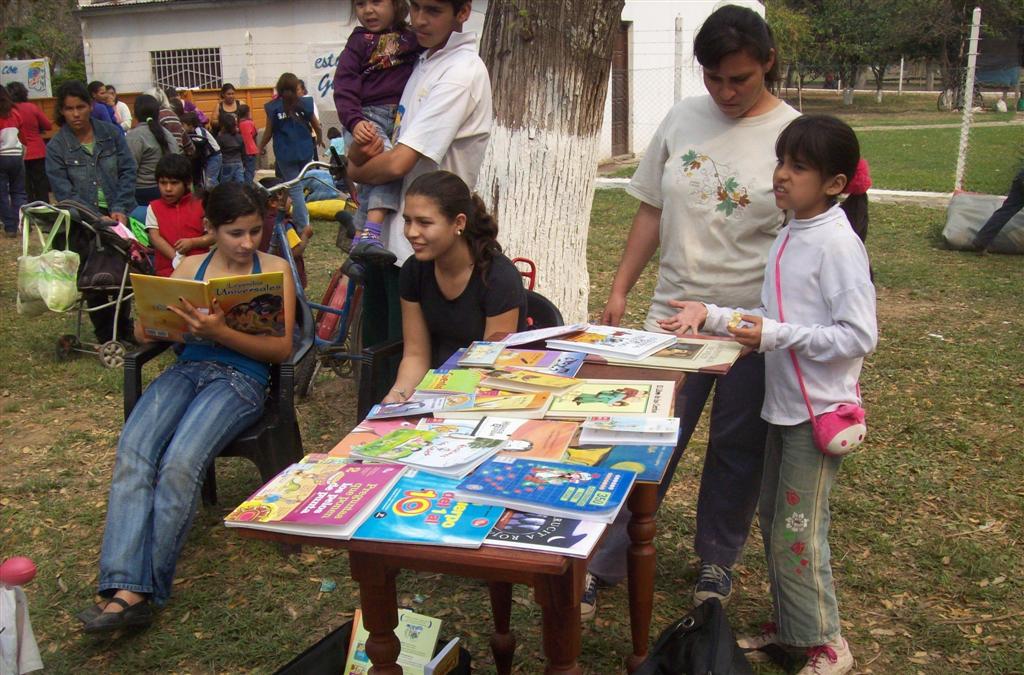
968,211
48,280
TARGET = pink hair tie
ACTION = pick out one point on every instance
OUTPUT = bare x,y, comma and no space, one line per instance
861,180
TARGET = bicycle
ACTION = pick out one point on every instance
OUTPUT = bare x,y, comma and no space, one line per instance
337,341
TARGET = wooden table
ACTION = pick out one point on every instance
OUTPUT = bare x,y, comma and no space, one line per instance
557,581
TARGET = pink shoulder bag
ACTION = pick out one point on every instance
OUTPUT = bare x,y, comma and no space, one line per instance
837,432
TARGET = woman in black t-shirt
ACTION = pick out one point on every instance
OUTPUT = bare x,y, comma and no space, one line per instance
457,287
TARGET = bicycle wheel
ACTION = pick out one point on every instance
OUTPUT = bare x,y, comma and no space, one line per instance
305,373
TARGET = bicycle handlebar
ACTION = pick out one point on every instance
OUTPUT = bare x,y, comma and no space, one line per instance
284,185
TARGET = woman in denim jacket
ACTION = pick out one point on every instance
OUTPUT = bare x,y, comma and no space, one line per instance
88,160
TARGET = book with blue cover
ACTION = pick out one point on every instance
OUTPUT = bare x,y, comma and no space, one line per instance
549,488
647,461
422,509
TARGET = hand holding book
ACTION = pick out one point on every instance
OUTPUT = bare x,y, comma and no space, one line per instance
206,324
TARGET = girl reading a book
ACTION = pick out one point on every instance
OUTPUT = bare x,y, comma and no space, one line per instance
815,324
183,419
457,287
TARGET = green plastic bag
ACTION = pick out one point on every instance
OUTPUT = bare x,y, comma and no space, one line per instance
138,228
48,280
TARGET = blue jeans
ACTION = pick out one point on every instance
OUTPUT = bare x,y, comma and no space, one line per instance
183,419
233,172
249,167
12,191
211,171
300,215
733,462
1014,202
388,195
794,524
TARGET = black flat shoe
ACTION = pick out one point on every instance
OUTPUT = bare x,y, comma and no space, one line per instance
132,616
91,612
372,253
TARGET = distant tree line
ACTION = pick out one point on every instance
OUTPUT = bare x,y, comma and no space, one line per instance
37,28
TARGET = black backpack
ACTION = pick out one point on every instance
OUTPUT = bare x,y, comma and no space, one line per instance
702,642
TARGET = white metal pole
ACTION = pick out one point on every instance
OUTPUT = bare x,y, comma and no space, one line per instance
899,90
677,88
968,100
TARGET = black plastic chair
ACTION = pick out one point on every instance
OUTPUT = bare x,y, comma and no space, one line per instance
540,313
273,442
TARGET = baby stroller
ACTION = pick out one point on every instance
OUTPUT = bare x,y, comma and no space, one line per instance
104,288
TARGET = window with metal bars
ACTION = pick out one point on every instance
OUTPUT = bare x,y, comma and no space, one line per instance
187,68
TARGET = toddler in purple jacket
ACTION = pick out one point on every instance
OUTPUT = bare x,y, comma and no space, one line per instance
372,71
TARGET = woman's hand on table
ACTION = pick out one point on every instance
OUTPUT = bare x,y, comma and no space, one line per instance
208,326
689,319
395,396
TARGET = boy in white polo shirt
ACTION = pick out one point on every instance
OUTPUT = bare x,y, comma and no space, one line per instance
444,123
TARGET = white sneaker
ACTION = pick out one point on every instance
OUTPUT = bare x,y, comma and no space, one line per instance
833,658
753,644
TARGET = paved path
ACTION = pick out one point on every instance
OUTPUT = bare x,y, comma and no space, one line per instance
900,127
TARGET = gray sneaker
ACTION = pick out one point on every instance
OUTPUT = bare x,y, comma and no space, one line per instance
588,604
714,581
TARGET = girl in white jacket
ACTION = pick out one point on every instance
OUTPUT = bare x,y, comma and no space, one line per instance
828,302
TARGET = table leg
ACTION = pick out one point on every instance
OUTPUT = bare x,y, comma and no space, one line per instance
503,641
559,599
378,597
643,503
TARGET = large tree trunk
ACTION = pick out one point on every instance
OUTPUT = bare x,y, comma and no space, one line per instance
549,64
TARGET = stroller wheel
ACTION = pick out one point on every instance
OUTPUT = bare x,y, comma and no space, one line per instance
112,354
66,344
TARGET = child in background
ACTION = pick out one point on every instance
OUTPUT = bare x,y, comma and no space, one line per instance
247,128
828,303
280,204
207,155
175,221
371,75
232,149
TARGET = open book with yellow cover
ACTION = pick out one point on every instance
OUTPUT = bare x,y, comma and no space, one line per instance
252,303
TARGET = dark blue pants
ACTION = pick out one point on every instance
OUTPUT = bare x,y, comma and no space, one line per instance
1014,203
733,463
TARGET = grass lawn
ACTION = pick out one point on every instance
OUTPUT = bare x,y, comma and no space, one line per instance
927,519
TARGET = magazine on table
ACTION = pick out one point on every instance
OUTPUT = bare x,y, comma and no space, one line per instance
422,405
549,488
506,404
481,354
455,381
368,431
323,499
693,354
252,303
567,364
548,534
526,380
422,509
626,430
538,334
529,439
446,454
622,343
632,398
649,462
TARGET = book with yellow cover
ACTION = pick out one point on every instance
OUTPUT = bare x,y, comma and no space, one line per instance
252,303
529,381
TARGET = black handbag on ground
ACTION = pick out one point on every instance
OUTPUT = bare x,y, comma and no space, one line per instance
700,643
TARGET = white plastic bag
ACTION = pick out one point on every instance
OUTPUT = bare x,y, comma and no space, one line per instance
47,280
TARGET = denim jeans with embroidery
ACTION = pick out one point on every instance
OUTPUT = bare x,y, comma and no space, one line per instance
183,419
794,523
387,195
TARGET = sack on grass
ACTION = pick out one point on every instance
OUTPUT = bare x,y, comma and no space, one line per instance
47,280
966,214
700,642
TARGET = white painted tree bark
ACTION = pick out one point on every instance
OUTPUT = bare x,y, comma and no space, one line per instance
549,64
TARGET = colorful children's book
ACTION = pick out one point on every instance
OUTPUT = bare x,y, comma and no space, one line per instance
647,461
549,488
622,343
528,336
506,404
618,430
481,354
422,509
449,455
614,397
529,439
323,499
449,426
427,405
566,364
526,380
693,354
368,431
446,660
252,303
417,632
456,381
550,534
